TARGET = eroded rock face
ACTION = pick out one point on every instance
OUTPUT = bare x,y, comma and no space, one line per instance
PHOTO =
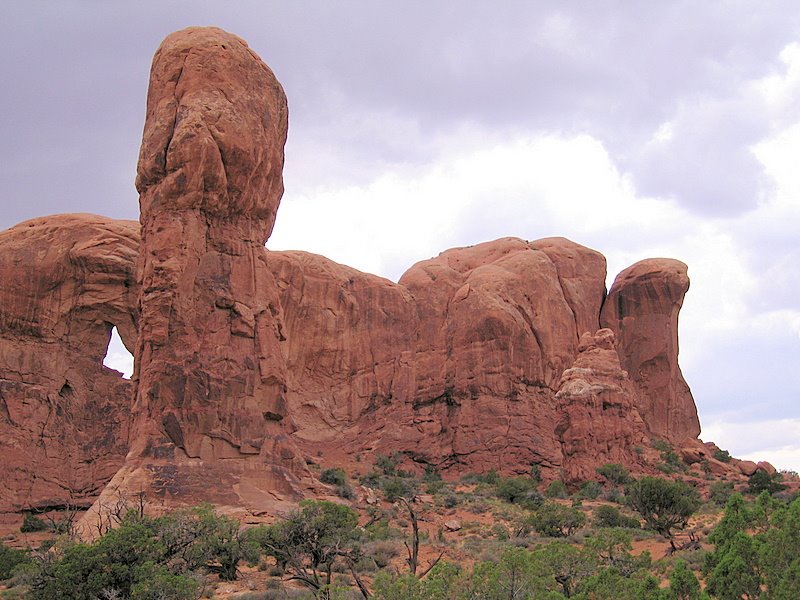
65,281
456,366
485,357
599,422
350,340
642,309
210,419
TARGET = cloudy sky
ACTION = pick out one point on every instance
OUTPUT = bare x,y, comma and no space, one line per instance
639,129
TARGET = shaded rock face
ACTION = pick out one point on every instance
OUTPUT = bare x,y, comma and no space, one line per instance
65,281
642,309
209,416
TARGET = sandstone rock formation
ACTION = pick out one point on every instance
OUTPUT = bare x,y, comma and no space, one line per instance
209,416
65,281
599,422
249,362
456,365
642,310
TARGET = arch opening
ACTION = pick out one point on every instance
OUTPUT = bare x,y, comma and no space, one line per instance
117,355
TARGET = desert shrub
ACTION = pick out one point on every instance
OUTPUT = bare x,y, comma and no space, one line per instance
387,463
513,489
536,473
720,491
310,540
554,520
157,582
431,474
434,487
491,477
450,501
10,559
32,524
398,487
761,481
345,491
614,473
382,552
614,495
371,479
722,455
334,476
556,489
610,516
590,490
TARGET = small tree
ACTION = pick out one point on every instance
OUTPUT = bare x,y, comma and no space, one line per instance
664,505
612,546
761,481
683,584
554,520
308,542
567,564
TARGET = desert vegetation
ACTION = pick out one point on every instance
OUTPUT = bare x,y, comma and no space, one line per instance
420,537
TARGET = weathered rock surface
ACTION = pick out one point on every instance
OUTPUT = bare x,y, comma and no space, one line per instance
599,422
485,357
210,420
456,366
65,281
642,310
349,346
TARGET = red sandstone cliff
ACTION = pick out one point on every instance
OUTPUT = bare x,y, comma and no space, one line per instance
65,281
489,356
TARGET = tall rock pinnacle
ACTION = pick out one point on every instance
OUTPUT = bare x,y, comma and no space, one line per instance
209,416
642,309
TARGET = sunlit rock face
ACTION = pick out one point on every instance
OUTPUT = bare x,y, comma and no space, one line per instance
65,282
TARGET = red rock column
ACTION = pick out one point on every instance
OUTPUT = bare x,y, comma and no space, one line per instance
210,420
642,309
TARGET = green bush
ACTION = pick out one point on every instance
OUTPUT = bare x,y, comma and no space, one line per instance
398,487
614,473
491,477
450,501
610,516
722,455
555,520
556,489
10,559
513,489
590,490
664,505
720,491
157,582
334,476
761,481
32,524
387,463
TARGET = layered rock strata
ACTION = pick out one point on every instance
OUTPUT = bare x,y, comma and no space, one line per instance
65,281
